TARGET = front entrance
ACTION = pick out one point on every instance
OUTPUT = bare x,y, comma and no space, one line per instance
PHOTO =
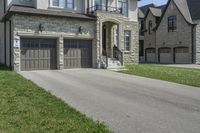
110,33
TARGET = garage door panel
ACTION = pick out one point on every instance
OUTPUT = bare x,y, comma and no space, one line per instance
165,58
151,57
182,56
77,54
38,54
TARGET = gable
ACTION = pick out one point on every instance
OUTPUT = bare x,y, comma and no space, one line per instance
172,10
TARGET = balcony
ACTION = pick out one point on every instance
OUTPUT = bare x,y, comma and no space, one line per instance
103,8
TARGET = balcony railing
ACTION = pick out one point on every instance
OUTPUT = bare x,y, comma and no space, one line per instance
104,8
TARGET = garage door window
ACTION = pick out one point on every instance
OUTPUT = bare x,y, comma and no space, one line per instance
165,50
151,51
182,50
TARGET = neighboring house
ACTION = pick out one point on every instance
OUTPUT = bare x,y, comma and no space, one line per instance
61,34
175,37
141,19
151,18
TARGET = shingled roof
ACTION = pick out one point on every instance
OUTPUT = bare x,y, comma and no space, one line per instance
194,8
184,9
155,11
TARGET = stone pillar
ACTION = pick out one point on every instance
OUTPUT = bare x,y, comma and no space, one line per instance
98,43
60,54
16,54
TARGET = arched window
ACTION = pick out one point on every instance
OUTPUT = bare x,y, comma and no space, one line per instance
150,27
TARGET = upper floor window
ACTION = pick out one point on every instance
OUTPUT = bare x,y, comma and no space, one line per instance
150,27
123,6
63,3
171,23
69,4
55,3
127,40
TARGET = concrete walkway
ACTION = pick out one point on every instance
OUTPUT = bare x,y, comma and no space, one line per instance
127,104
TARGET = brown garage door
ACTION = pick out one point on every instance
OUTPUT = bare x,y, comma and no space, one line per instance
77,54
38,54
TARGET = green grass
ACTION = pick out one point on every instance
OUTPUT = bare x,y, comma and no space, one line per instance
27,108
177,75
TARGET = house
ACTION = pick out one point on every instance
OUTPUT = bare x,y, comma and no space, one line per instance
61,34
174,37
141,19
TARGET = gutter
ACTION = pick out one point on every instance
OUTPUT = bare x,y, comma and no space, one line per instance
193,43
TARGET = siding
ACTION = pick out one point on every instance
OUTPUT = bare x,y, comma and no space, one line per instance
181,38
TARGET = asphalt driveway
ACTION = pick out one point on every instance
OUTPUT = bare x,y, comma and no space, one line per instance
127,104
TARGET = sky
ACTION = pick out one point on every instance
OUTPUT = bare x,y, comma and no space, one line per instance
156,2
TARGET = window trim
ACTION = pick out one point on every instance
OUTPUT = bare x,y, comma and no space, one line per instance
127,7
173,27
59,7
125,41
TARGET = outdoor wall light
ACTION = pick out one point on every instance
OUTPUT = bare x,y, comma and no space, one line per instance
41,27
82,30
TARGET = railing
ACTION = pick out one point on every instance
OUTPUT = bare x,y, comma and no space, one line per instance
118,55
104,8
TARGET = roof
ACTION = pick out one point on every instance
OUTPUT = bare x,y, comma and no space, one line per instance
194,8
156,11
145,8
140,14
32,11
184,9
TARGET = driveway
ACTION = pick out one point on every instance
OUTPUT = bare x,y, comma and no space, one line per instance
127,104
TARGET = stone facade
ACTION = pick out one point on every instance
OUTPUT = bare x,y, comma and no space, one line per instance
182,37
57,28
124,24
24,26
150,38
197,43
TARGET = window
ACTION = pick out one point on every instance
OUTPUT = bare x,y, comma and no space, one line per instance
171,23
127,38
123,6
69,4
56,3
150,27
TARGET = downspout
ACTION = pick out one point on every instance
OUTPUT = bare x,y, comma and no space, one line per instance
193,43
10,44
5,34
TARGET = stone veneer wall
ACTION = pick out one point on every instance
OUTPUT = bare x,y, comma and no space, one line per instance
57,28
149,39
182,37
197,43
124,24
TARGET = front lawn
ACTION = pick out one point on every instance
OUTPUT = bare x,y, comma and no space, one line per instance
177,75
26,108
